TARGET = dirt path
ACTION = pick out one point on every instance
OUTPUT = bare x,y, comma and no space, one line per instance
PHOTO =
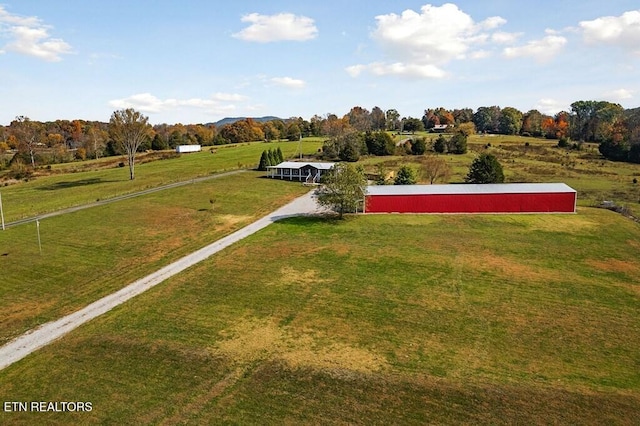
41,336
119,198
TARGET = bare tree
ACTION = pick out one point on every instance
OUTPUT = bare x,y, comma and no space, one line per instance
28,134
97,139
129,128
435,168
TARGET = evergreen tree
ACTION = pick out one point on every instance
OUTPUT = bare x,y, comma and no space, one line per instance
280,156
440,145
406,176
458,144
273,161
418,146
264,161
158,144
485,169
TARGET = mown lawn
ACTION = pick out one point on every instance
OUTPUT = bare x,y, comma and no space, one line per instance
386,319
75,187
91,253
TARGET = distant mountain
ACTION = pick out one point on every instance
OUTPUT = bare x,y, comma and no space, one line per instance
231,120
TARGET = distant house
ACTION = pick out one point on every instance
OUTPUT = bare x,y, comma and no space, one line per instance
440,128
300,171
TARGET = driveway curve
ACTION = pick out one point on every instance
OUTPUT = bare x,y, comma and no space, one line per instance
44,334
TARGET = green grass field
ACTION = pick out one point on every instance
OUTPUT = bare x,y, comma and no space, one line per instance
376,319
73,186
91,253
373,320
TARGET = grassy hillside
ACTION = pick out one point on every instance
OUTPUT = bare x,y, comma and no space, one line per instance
380,319
91,253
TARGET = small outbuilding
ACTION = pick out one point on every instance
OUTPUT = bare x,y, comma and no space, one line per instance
300,171
182,149
472,198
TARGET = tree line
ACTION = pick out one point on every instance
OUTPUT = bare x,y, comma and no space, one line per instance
616,130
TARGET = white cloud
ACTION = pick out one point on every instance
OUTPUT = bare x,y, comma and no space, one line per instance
493,22
551,106
501,37
619,94
419,44
289,82
623,30
398,68
148,103
541,50
29,36
280,27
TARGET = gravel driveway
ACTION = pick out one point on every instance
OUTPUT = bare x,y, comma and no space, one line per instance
41,336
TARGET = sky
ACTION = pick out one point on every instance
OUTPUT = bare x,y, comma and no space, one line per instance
197,61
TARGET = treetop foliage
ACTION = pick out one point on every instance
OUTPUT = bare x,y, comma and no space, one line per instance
343,189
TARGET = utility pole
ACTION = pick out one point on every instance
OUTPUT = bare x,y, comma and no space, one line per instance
38,228
1,212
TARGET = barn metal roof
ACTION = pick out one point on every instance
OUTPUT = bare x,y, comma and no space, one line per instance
299,164
454,189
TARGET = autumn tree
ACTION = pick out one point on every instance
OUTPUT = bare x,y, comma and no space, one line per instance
359,118
333,126
271,132
129,129
378,119
344,187
430,119
27,134
464,115
556,127
435,168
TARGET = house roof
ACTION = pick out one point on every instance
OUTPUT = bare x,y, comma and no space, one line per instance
298,165
491,188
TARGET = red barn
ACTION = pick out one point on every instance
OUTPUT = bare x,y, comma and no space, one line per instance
472,198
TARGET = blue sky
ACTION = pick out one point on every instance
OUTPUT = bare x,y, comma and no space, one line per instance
196,61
